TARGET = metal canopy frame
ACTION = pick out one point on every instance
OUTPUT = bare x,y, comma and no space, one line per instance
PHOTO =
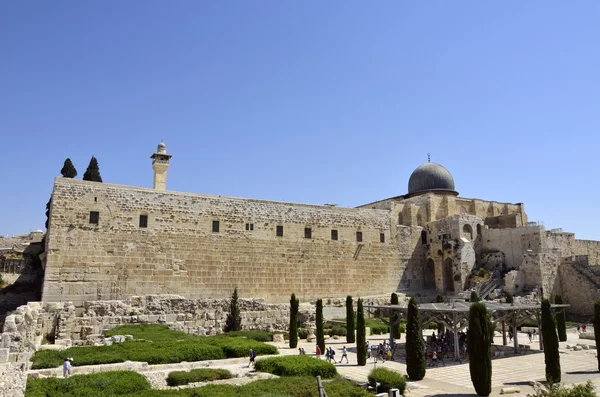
455,316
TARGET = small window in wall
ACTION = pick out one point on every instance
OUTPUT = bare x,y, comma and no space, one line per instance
334,234
307,232
382,237
143,220
359,237
423,237
249,226
94,217
215,227
279,231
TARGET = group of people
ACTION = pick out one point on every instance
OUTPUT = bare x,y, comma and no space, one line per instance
437,346
381,352
330,354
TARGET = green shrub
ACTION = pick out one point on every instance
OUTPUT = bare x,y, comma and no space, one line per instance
557,390
115,383
474,298
152,332
550,342
479,347
361,335
296,366
561,320
387,380
415,355
379,329
303,333
178,378
339,330
234,318
260,336
509,298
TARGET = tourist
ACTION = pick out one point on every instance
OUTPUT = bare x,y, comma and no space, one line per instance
252,357
529,335
327,355
332,354
67,367
534,334
303,352
299,351
578,328
344,354
583,327
318,352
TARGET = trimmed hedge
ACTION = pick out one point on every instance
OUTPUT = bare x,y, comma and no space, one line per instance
178,378
161,346
387,380
339,330
296,366
260,336
303,333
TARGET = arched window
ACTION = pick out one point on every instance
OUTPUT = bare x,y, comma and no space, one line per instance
467,232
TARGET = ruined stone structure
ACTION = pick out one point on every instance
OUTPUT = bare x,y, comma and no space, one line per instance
109,242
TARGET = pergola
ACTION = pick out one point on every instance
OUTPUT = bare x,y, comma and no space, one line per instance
455,316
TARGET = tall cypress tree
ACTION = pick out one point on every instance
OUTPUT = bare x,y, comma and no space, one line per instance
361,335
550,341
395,317
415,354
440,326
479,347
597,329
294,305
509,298
319,319
350,338
93,171
561,320
68,170
234,319
474,297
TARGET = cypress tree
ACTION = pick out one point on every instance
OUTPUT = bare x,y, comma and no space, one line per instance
597,329
561,320
474,297
294,305
395,318
234,320
68,170
509,298
440,326
48,204
93,171
415,355
350,338
361,335
479,347
550,341
320,336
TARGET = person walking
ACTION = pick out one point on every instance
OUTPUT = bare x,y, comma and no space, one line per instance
252,358
318,352
67,368
344,354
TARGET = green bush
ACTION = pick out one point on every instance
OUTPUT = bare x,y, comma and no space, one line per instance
152,332
339,330
550,342
387,380
296,366
115,383
303,333
379,330
557,390
260,336
178,378
479,347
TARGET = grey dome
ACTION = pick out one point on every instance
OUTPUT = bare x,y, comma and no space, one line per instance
430,176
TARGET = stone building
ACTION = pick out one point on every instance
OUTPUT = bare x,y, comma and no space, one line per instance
108,242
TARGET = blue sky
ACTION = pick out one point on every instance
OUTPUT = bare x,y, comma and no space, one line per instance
309,102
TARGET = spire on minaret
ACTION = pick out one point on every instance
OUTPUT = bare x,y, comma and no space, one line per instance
429,157
160,164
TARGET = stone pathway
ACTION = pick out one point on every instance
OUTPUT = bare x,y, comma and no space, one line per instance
454,379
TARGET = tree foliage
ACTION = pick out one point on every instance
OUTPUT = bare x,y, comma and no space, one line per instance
350,336
320,324
479,347
440,326
361,335
550,341
234,319
509,298
561,320
395,318
294,306
93,171
597,327
415,355
474,297
68,170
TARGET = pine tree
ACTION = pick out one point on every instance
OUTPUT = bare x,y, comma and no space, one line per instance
550,341
479,346
395,318
234,320
597,327
93,171
415,355
440,326
294,305
319,320
361,335
68,170
561,320
474,297
350,336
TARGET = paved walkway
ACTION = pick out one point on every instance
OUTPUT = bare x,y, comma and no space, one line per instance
454,378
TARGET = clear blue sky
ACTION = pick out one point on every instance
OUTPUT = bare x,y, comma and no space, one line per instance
308,101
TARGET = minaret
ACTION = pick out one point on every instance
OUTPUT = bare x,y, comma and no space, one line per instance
160,165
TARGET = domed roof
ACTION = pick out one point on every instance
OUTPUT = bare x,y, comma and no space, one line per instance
430,176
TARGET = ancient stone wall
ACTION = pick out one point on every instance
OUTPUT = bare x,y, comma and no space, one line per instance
513,242
579,289
202,246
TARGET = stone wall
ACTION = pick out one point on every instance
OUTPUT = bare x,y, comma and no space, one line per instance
579,289
179,253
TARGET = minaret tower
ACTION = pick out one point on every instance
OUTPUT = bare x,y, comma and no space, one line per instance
160,164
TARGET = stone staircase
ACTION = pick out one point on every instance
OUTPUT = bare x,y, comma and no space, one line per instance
589,273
